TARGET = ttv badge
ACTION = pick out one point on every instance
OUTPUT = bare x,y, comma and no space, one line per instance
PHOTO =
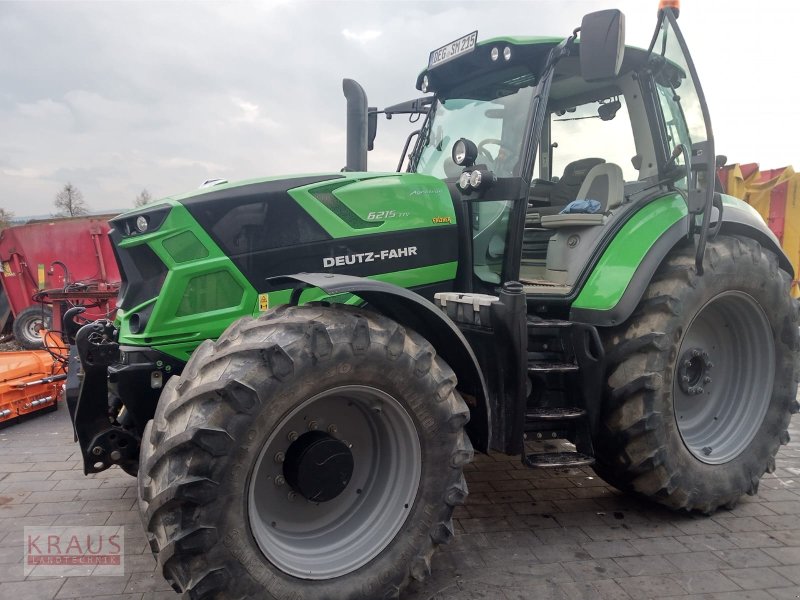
263,302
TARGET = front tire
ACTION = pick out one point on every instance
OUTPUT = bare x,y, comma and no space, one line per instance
702,379
231,491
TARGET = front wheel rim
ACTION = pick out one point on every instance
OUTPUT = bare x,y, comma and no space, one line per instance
724,377
322,540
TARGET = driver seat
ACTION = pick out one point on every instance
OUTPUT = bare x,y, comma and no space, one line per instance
559,194
603,183
569,186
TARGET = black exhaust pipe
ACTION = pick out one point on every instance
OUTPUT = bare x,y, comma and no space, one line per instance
356,125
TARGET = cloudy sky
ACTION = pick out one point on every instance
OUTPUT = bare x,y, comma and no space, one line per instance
120,96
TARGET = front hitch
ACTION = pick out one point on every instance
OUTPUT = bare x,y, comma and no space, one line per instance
102,441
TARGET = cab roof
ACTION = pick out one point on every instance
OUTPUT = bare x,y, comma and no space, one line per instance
470,74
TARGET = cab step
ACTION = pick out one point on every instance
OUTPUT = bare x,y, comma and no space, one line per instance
554,413
557,460
548,323
547,367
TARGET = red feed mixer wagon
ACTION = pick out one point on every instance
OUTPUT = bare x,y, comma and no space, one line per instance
62,262
49,267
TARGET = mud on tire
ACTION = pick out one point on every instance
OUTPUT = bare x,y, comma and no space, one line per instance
702,379
200,452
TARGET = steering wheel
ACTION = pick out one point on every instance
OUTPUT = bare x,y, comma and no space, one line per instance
497,163
482,151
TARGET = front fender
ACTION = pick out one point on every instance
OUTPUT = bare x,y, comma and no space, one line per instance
412,310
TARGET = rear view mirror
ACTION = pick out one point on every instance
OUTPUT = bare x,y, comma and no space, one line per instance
602,44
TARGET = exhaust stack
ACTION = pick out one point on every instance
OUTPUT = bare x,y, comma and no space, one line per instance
356,125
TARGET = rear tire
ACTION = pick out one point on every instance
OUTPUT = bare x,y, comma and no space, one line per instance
702,379
219,492
28,325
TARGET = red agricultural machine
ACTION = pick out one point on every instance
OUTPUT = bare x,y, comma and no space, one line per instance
48,268
61,262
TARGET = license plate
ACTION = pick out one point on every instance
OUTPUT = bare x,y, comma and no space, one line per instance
453,49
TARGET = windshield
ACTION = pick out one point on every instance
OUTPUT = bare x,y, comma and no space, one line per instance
496,126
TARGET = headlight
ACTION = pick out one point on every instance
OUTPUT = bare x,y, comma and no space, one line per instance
463,181
507,53
480,179
136,323
464,152
494,54
144,220
475,179
425,84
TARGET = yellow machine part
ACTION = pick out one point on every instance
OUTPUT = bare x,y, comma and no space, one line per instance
775,194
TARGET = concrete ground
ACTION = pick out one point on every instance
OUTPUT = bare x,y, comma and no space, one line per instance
523,535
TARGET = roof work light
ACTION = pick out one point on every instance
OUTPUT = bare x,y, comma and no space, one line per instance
676,4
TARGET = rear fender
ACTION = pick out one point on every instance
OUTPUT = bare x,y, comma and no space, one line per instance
412,310
739,218
621,275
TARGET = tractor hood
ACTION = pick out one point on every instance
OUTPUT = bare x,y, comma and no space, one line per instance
201,260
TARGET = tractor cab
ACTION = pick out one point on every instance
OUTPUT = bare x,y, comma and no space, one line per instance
548,145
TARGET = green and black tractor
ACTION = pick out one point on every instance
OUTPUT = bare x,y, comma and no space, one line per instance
300,367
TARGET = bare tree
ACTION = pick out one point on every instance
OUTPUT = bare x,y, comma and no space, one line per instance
69,202
143,198
6,216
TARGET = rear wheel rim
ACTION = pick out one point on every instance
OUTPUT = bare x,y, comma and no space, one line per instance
329,539
723,377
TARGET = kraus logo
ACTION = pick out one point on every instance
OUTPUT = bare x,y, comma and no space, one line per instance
74,551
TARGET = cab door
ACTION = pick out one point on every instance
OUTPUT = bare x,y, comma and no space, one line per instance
689,140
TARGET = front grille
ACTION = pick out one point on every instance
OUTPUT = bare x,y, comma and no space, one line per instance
142,273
